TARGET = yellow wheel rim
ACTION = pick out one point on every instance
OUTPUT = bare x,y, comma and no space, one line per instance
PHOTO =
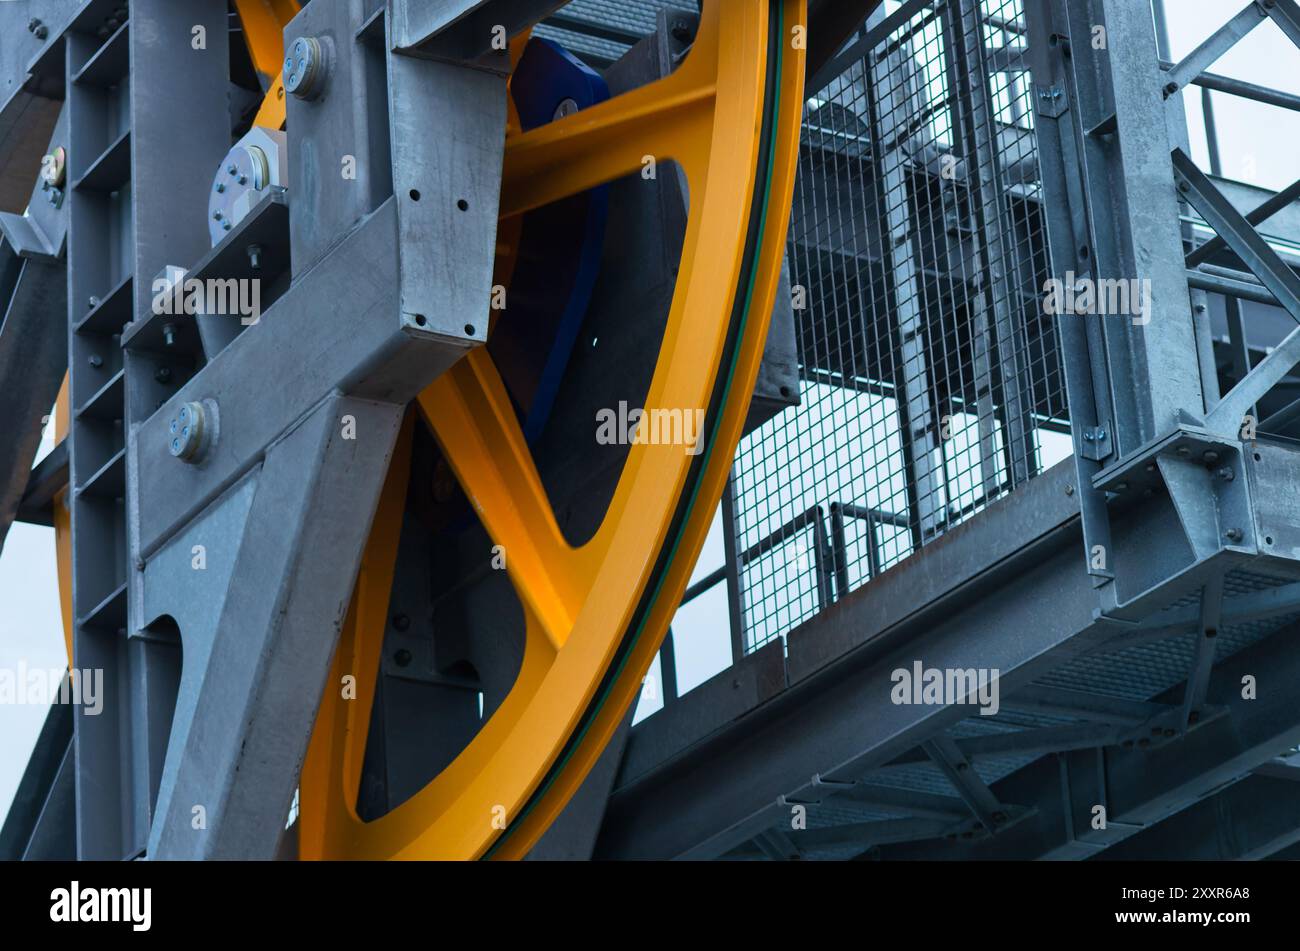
595,615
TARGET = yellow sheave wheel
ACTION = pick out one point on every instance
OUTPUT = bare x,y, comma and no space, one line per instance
596,614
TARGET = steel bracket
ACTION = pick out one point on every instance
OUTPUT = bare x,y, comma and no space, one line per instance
1202,473
1052,100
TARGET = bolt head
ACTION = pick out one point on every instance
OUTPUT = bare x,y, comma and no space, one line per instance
191,433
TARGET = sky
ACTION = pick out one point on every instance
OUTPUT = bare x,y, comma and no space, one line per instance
1257,144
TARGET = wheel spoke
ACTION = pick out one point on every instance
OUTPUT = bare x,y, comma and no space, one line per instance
474,422
664,120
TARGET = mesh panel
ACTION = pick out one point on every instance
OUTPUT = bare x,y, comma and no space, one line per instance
931,380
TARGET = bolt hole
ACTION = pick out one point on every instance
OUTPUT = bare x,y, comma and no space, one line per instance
420,320
469,329
785,391
1268,539
1084,252
462,204
415,194
1258,457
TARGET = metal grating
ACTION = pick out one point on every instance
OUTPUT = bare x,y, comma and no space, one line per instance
931,382
600,31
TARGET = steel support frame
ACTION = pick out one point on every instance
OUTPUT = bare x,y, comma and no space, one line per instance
735,746
1141,787
1251,819
223,555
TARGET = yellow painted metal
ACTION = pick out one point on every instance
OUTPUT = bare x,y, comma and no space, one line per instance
581,604
263,22
63,526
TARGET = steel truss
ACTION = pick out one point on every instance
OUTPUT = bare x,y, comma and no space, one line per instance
1174,532
1179,500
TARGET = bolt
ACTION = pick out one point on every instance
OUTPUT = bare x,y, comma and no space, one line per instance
962,767
1233,535
1069,490
243,179
92,302
217,216
169,334
1184,451
1184,187
1226,474
681,31
221,187
401,622
1194,716
232,169
1171,88
188,431
163,374
95,360
1210,457
255,256
402,657
304,68
42,32
32,24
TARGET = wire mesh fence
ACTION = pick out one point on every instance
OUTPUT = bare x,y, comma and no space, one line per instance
931,380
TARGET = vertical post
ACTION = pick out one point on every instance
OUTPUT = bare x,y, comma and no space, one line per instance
998,267
735,604
668,668
1070,242
1122,118
890,108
